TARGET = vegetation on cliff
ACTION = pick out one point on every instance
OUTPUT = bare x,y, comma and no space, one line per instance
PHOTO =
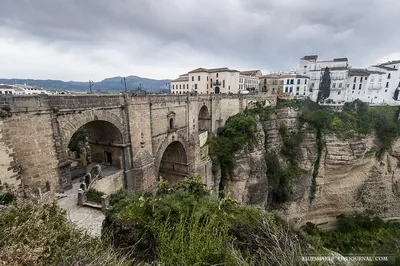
357,119
359,235
184,225
238,131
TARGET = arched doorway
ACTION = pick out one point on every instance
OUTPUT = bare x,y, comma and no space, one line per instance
97,142
216,90
204,120
174,164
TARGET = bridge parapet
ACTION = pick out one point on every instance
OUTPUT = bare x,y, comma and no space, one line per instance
47,102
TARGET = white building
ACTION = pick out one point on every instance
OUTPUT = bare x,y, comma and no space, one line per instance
10,89
249,80
296,85
379,84
216,81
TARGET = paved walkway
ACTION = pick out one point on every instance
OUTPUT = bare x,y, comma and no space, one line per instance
85,217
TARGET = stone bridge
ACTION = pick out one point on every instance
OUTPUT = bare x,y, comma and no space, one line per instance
144,137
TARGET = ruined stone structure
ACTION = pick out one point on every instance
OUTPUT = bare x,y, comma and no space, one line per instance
144,137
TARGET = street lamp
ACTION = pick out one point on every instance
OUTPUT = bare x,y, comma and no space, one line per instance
91,83
123,81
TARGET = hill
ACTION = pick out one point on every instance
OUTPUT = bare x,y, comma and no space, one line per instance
109,84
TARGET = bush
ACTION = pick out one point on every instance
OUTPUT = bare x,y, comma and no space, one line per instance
40,234
6,198
238,131
360,235
94,195
184,225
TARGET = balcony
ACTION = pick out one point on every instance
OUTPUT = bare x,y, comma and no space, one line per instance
217,83
375,88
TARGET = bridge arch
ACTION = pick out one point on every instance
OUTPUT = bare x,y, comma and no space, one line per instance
172,161
204,119
106,143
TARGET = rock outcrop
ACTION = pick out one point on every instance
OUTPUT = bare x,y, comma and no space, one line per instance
351,177
248,183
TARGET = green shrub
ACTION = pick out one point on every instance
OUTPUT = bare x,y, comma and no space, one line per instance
184,225
6,198
238,131
94,195
40,234
360,235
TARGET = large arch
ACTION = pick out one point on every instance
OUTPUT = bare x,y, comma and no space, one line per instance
109,141
174,163
172,150
204,120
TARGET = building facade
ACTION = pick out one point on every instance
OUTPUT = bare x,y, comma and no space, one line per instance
216,81
378,84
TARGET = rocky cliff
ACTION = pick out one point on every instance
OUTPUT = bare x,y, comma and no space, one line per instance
349,178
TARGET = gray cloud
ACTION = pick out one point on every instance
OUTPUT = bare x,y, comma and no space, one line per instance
163,38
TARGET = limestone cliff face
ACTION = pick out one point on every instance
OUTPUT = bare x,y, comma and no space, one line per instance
248,182
351,178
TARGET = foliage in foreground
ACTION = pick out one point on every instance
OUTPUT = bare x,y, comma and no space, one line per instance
359,235
184,225
40,234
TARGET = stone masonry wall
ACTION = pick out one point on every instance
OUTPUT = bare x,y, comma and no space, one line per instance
31,137
9,167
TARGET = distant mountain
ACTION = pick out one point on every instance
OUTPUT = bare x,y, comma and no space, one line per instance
109,84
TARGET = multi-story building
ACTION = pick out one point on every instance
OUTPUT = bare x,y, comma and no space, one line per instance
309,66
271,83
180,85
215,81
296,85
249,80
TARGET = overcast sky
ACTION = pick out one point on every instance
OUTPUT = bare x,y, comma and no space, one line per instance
95,39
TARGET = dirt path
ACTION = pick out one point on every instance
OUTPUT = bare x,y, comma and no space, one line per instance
86,218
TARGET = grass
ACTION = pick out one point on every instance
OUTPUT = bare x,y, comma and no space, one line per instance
40,234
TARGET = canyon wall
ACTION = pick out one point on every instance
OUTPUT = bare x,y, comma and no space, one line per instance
351,177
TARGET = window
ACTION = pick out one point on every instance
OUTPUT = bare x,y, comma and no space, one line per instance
291,89
173,87
333,85
312,85
195,86
389,76
386,90
359,87
207,87
387,84
354,86
379,85
180,86
298,89
340,85
287,81
207,78
292,81
223,83
286,89
211,83
355,79
348,85
217,75
380,78
192,78
352,91
298,82
372,78
339,92
198,78
361,79
171,123
305,81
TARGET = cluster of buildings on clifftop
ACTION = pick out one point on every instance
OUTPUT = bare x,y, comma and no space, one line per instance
18,89
377,84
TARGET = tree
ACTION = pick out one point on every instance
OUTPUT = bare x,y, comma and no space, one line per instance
325,86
